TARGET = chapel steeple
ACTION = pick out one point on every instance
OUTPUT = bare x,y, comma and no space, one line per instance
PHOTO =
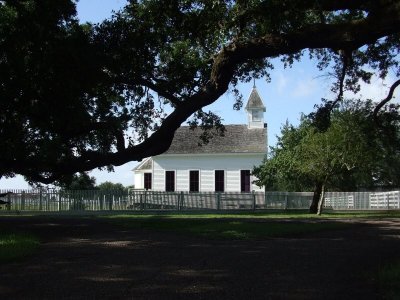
255,110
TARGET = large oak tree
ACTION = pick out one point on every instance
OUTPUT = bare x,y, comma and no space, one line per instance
74,97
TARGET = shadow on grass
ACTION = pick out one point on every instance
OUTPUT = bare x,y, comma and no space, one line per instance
16,246
227,228
88,258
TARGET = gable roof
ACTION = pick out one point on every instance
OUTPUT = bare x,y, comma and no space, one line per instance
255,101
145,164
236,139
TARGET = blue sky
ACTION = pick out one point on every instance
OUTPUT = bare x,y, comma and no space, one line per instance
292,91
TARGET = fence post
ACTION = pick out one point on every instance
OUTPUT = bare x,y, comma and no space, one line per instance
40,199
110,201
180,202
47,199
286,201
265,199
218,195
387,199
9,202
23,200
59,201
254,200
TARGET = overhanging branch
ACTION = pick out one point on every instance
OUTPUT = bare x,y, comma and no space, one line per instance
350,35
387,99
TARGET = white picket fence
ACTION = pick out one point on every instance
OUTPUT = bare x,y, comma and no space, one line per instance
363,200
385,200
334,200
97,200
344,202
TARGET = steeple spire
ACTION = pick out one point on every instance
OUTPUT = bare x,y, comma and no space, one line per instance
255,109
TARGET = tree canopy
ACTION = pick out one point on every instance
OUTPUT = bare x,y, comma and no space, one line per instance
110,186
80,181
353,153
80,96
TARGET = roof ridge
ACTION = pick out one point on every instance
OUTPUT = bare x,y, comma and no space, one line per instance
237,138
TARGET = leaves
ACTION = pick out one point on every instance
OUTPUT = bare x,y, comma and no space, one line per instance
351,153
79,96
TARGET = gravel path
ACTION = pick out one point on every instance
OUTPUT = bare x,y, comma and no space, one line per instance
84,258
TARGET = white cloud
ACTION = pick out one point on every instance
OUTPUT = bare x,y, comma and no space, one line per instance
282,82
18,182
304,88
377,90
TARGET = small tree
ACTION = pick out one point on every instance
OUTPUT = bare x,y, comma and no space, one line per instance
108,185
71,185
351,152
79,181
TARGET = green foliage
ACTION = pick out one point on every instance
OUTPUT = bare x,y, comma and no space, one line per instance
80,181
14,247
106,186
75,97
353,152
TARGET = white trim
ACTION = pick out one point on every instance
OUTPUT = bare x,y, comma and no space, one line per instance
213,154
136,169
257,116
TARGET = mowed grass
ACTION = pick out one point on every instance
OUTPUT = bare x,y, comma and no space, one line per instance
14,247
389,278
245,225
242,225
217,226
245,214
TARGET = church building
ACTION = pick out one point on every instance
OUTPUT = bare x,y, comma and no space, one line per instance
222,165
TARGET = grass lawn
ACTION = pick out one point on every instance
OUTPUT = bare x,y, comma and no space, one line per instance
221,226
389,278
14,247
293,214
241,224
244,225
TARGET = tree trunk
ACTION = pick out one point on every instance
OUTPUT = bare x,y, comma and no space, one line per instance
321,200
316,196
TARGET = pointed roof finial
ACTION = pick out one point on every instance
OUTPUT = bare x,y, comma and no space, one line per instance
254,83
254,101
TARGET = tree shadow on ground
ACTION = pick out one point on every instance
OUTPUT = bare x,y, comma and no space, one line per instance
83,258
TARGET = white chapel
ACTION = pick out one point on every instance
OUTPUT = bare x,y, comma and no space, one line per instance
222,165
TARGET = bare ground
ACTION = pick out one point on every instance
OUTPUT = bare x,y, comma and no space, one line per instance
86,258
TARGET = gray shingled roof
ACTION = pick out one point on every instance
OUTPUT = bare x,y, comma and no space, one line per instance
254,101
237,139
